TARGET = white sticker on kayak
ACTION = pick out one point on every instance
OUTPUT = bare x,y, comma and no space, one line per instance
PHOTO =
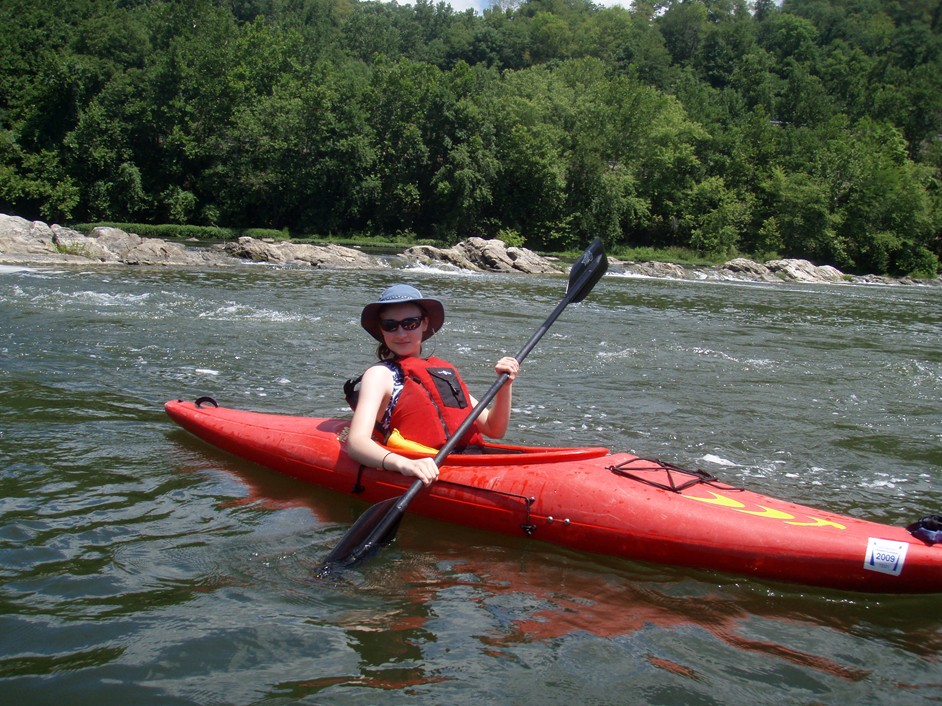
885,556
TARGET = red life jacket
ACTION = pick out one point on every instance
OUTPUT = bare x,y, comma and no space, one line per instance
433,403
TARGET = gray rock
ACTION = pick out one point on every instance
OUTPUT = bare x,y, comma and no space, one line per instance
25,241
321,256
749,269
30,242
804,271
21,237
482,255
661,269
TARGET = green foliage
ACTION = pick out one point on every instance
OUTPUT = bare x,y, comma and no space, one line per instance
511,238
172,230
266,233
917,261
808,129
806,222
716,217
769,241
681,256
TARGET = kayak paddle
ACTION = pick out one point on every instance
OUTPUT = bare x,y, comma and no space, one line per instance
376,527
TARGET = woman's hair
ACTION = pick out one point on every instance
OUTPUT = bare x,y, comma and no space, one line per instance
382,350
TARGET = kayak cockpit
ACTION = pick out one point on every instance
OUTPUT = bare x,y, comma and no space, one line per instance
489,454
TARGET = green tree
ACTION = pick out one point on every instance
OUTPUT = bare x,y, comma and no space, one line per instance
530,184
550,37
803,99
684,26
731,36
399,102
801,206
660,143
789,37
644,54
882,197
715,216
463,183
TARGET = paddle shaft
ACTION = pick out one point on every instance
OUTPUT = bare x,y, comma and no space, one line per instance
396,511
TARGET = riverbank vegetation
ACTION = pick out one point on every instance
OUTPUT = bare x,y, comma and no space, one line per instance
808,130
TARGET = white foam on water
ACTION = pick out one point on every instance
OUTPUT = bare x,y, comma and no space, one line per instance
717,460
442,270
245,312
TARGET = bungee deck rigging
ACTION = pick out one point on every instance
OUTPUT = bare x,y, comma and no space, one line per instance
636,466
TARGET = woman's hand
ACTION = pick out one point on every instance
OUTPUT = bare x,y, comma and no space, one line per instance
422,468
508,365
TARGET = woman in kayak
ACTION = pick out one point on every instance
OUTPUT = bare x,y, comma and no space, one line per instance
423,399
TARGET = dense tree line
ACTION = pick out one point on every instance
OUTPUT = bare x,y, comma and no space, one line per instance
812,130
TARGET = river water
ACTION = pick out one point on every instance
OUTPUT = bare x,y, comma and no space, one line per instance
140,565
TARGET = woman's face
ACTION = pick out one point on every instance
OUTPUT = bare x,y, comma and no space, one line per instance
402,341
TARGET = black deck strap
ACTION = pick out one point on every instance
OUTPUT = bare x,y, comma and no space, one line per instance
928,529
631,469
528,527
206,400
358,487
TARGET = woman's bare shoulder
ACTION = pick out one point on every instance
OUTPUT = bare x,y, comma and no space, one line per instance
377,374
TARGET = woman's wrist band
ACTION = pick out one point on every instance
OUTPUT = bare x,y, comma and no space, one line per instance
383,464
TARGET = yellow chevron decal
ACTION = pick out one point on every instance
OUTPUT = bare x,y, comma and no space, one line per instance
769,512
718,499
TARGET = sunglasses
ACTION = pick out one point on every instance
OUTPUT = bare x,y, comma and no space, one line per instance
410,324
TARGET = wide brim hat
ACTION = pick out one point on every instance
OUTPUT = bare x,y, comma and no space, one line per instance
402,294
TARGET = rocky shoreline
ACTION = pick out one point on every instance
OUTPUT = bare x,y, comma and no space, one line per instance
24,242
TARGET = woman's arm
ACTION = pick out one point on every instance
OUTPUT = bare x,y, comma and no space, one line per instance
493,421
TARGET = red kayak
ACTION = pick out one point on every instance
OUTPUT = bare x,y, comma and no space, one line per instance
592,500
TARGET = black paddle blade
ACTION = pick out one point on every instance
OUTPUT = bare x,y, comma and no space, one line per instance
359,542
587,271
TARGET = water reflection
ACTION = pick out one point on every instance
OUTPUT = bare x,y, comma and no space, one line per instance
437,581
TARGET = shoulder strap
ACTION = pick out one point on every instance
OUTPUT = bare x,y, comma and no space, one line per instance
351,391
351,388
